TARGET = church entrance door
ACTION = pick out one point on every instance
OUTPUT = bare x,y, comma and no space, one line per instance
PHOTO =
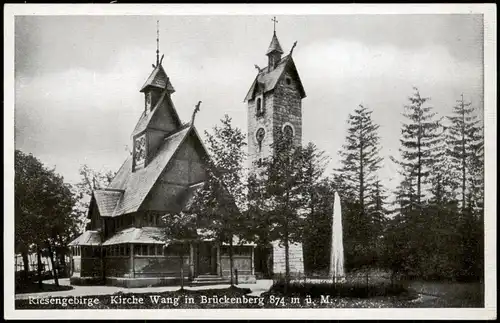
207,259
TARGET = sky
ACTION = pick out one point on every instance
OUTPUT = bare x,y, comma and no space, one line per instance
77,78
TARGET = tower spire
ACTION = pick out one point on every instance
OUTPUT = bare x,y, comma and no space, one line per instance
157,43
274,51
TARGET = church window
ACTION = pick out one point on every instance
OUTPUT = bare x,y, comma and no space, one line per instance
288,80
259,107
148,101
260,137
288,131
140,150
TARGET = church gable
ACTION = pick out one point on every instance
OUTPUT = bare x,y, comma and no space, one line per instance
137,183
185,169
163,117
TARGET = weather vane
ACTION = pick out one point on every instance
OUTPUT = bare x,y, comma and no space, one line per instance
274,23
157,42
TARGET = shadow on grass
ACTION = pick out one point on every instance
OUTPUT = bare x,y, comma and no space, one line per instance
32,287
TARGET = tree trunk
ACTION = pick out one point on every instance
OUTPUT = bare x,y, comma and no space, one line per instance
61,255
463,156
54,264
26,264
287,258
231,264
39,266
182,270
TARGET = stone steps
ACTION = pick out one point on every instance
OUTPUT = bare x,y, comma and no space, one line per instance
209,280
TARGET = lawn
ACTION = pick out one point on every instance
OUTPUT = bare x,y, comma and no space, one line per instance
450,294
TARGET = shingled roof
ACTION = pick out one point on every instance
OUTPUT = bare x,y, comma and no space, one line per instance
274,46
146,118
158,79
88,238
137,235
106,200
267,79
137,184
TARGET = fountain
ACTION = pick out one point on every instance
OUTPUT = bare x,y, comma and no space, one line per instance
337,248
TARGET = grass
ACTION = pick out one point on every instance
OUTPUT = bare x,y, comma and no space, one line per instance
349,289
33,287
450,294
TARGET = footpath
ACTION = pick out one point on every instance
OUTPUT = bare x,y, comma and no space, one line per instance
261,286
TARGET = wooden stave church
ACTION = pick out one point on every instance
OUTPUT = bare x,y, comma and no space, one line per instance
161,176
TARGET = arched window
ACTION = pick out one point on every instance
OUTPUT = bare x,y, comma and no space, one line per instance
288,131
259,106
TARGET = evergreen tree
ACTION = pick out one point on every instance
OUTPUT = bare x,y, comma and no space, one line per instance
360,159
377,211
464,137
420,137
360,162
318,195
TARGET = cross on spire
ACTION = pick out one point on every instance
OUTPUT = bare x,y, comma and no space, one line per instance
157,42
274,23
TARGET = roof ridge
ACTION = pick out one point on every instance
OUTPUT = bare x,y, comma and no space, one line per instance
196,184
113,190
176,131
150,115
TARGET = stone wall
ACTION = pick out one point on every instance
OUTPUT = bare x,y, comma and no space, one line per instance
296,258
255,122
288,107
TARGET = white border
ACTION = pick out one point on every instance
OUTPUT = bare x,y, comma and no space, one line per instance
490,86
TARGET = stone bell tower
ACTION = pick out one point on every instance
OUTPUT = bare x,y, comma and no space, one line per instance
274,107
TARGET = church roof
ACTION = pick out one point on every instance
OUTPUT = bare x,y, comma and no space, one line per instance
106,200
159,79
137,184
267,79
274,46
146,118
137,235
88,238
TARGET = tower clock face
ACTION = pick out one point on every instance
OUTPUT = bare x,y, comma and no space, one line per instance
140,149
260,135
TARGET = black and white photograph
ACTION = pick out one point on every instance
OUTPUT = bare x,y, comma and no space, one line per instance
288,161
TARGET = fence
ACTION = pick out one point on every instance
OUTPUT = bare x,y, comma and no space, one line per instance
358,278
33,263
